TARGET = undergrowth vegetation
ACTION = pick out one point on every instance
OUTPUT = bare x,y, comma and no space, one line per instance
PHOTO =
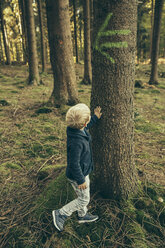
32,170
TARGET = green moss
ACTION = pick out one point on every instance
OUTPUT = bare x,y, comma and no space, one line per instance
67,243
53,167
55,195
151,91
135,235
40,150
145,155
11,165
14,91
146,127
51,138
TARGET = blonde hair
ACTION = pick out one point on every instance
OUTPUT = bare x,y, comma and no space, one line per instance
78,115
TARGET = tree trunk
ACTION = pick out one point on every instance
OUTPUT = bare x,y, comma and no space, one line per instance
61,53
152,15
5,38
1,50
80,34
18,53
115,27
23,30
91,21
32,47
87,44
43,51
75,30
155,41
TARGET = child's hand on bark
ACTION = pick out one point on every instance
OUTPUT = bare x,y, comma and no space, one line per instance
82,186
97,112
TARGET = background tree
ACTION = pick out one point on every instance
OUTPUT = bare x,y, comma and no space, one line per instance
143,31
152,17
32,48
43,52
80,23
5,37
91,21
23,30
155,41
75,30
115,27
1,49
61,53
87,44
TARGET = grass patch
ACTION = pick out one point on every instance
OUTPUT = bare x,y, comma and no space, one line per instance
144,126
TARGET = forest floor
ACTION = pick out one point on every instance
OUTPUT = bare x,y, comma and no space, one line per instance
33,159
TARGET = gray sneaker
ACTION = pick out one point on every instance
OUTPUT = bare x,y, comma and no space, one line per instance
87,218
58,219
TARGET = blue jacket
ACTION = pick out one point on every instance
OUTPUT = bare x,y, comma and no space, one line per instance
79,153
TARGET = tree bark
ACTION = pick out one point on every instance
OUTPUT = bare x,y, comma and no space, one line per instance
91,21
75,30
1,50
115,27
5,38
87,44
155,41
80,34
23,30
61,53
152,15
32,47
18,53
43,51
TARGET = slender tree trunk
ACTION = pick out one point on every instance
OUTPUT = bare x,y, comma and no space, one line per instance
155,41
75,29
32,47
23,30
164,48
61,53
91,21
1,50
18,54
80,30
152,16
5,38
115,27
87,44
43,51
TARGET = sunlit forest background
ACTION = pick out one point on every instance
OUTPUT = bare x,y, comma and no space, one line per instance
16,36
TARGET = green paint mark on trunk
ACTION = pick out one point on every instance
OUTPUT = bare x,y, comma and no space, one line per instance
102,32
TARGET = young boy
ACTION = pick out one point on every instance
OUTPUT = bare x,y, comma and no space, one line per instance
79,163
